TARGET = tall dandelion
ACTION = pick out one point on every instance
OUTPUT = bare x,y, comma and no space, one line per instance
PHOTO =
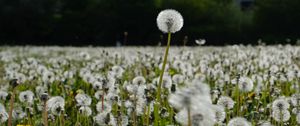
168,21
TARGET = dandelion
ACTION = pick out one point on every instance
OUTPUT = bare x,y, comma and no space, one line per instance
167,82
56,105
238,121
3,95
97,85
182,98
295,99
83,100
139,80
98,94
281,116
245,84
280,104
201,115
39,90
226,102
102,119
26,96
178,79
86,111
200,41
18,113
220,113
3,114
169,21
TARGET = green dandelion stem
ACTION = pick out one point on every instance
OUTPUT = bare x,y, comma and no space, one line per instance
158,97
163,68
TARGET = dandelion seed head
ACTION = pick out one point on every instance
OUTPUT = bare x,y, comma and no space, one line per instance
3,114
101,118
56,104
26,96
202,115
83,99
178,78
169,20
245,84
3,95
281,116
226,102
280,104
86,111
219,112
98,94
139,80
238,121
97,85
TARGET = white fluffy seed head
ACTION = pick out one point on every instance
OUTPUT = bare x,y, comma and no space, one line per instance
281,116
280,104
238,121
169,20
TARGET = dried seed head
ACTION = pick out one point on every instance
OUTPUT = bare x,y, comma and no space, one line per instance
44,97
169,20
14,83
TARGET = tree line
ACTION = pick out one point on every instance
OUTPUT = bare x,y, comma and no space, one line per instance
133,22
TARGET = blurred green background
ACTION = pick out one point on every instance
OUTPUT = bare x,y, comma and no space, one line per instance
104,22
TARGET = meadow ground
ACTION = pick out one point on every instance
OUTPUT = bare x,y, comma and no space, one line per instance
202,86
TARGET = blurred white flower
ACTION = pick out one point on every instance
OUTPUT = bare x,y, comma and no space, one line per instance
295,99
3,95
3,114
98,95
281,116
201,115
200,41
56,105
169,20
178,78
18,113
238,121
86,111
219,112
97,85
245,84
226,102
83,99
102,119
280,104
139,80
26,96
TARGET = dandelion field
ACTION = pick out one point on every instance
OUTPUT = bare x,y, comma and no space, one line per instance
213,86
